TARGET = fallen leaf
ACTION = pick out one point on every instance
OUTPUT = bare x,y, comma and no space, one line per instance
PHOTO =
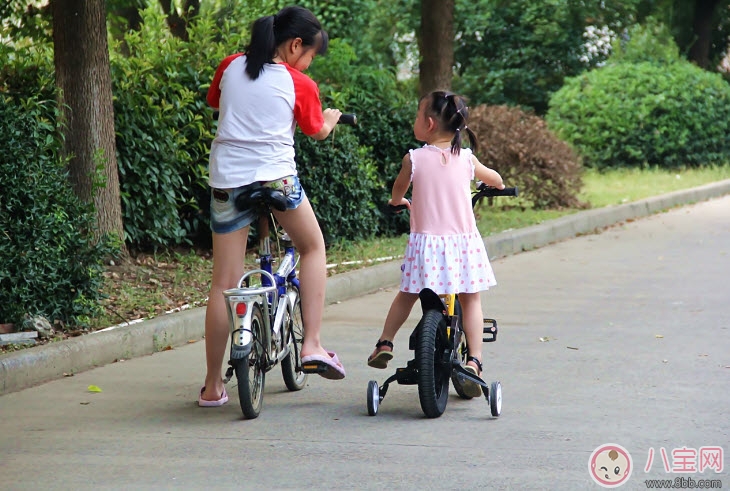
658,336
93,388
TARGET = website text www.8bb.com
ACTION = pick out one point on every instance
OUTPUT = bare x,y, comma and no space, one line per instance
683,483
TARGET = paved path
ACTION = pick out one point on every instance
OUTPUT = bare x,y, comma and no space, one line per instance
635,350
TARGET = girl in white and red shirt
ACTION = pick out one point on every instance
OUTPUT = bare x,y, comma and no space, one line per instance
262,96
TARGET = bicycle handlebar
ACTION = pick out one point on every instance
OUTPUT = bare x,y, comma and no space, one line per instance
346,118
484,191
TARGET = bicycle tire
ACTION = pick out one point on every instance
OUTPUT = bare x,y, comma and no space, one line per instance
250,369
433,374
291,366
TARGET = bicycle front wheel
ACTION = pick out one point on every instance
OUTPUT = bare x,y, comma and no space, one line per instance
433,372
291,366
250,369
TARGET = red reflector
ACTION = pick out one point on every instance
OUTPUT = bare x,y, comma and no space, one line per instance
241,309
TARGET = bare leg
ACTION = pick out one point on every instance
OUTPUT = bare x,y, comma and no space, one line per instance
229,251
473,321
301,225
399,311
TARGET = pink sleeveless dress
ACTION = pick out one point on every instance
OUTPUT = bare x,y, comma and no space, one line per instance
445,251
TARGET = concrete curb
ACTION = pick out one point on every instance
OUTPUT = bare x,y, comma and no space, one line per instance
26,368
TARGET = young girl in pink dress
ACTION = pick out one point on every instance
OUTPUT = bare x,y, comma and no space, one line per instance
445,251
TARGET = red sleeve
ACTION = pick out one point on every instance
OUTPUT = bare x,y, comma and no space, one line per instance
214,91
307,106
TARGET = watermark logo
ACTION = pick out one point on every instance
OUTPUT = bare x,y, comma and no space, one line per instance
610,465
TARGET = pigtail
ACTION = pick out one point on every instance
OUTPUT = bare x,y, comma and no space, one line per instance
262,48
473,144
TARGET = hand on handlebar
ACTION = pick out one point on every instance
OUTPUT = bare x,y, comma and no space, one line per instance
331,116
481,185
398,206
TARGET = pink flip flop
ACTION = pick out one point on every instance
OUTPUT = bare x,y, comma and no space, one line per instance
205,403
327,366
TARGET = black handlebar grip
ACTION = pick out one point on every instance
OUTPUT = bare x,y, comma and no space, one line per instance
350,119
487,191
394,209
505,192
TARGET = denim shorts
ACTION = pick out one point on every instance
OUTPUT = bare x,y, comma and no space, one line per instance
226,218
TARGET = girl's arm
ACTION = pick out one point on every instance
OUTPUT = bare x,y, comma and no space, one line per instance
401,184
486,175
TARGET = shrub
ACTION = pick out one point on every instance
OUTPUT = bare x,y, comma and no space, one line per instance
385,109
643,110
164,130
50,264
339,176
519,146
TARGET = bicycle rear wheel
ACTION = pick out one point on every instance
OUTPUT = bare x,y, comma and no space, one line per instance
291,366
433,371
250,369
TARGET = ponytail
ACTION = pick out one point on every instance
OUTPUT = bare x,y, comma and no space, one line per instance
267,33
262,48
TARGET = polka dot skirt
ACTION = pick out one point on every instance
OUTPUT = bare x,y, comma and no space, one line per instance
446,264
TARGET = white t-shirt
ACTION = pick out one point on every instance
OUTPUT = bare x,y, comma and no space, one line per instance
257,119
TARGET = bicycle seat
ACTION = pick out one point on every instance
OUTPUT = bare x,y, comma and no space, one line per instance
261,197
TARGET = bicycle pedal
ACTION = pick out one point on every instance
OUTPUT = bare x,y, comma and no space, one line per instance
406,376
490,330
314,367
229,375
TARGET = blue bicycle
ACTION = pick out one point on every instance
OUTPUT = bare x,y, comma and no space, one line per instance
264,310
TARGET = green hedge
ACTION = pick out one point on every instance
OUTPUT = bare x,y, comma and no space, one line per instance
50,264
646,108
385,109
164,129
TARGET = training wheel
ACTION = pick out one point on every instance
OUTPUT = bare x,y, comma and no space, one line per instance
373,397
495,399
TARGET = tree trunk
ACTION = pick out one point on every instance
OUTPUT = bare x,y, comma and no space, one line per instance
702,25
436,44
81,58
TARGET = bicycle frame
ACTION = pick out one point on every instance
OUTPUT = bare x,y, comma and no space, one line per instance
272,296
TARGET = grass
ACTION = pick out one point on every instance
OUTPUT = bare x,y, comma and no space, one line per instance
151,285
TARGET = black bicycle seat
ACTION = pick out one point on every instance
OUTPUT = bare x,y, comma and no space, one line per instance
261,197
